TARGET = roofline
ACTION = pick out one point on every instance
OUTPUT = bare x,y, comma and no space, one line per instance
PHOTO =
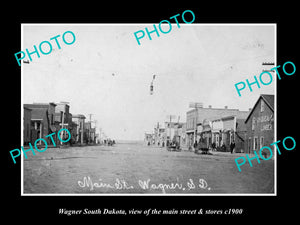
62,103
80,116
191,110
236,116
268,103
227,117
40,103
261,96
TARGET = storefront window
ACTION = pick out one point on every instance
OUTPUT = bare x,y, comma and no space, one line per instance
217,140
249,144
262,106
255,143
253,123
262,140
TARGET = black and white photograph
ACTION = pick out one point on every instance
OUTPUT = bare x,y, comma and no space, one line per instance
148,110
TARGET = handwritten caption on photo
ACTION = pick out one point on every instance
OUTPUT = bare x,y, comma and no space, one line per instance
121,184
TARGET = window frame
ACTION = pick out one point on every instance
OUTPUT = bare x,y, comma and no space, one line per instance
255,146
261,143
262,106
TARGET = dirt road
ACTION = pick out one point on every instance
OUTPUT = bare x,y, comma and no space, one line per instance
137,169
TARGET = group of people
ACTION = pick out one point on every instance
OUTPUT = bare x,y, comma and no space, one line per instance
109,142
158,143
173,144
201,145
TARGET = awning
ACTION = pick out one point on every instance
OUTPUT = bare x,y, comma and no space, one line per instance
190,131
206,129
216,131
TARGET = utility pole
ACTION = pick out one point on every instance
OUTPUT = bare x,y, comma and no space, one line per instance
196,106
171,117
95,121
62,127
63,119
82,128
89,136
100,132
90,116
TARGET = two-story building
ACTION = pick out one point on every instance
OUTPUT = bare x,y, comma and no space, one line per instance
42,120
260,125
195,118
87,132
230,129
79,120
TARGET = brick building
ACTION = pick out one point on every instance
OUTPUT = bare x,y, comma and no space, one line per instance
260,124
42,121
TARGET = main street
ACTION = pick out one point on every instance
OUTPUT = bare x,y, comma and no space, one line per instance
134,168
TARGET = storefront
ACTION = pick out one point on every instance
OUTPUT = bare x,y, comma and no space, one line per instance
216,130
189,139
206,133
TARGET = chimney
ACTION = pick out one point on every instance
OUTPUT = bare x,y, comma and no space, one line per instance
226,107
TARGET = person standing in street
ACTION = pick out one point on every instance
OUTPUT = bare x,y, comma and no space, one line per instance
232,146
213,146
195,146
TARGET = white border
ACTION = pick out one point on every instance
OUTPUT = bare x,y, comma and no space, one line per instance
149,194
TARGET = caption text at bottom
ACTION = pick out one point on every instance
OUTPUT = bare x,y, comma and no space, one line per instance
151,211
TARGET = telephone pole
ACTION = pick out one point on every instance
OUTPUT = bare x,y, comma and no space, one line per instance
170,132
89,136
196,106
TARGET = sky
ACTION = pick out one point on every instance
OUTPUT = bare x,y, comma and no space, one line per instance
106,73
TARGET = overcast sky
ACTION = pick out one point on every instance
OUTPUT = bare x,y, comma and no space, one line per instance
106,73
